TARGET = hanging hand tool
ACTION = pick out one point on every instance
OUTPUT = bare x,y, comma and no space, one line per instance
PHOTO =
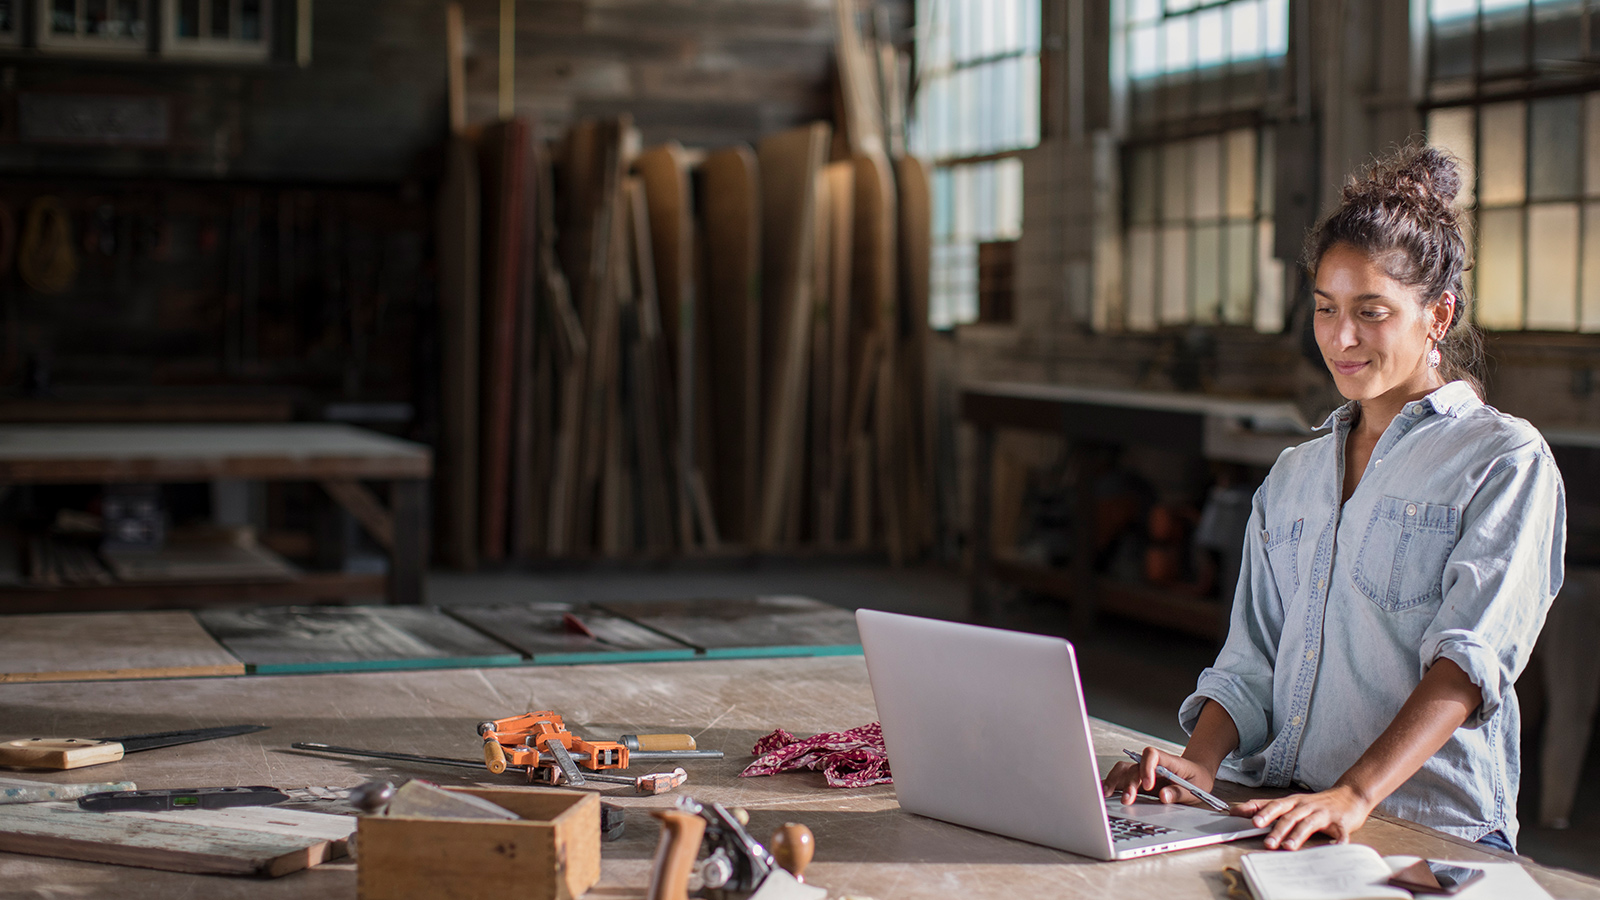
736,865
73,753
541,742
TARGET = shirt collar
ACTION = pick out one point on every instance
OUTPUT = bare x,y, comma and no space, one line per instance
1455,399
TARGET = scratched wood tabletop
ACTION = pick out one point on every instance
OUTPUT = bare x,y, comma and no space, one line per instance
865,845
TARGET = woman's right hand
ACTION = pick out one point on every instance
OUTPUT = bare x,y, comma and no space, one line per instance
1129,779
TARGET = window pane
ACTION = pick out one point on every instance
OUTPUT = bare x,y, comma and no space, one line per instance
1591,144
1205,157
1008,199
1241,173
1276,26
1177,44
250,20
1245,35
1207,273
1210,49
1590,319
1553,148
221,26
1452,130
1144,51
64,17
1174,181
1500,269
1143,184
1143,268
1557,29
189,18
1269,281
1505,27
1239,282
1174,275
1504,153
1553,266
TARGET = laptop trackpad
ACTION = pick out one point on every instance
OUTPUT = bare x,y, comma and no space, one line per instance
1180,816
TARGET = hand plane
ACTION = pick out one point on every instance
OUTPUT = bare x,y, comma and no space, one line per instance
736,866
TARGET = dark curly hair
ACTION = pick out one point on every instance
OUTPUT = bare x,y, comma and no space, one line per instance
1400,213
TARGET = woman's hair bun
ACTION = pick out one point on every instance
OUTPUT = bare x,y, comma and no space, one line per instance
1424,179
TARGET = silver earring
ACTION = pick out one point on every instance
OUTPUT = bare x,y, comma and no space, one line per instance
1433,358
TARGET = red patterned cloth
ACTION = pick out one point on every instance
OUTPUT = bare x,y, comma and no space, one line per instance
854,758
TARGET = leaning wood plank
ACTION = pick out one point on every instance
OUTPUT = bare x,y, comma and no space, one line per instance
652,406
505,165
875,301
528,439
164,644
365,507
916,240
862,116
841,231
665,170
820,481
790,162
569,351
203,844
458,314
731,203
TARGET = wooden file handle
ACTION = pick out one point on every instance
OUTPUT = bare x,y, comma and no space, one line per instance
658,742
675,854
58,753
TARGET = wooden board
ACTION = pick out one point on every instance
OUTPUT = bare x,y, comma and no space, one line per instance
505,152
841,315
179,563
665,171
875,299
349,638
93,646
650,374
789,164
252,841
747,627
458,335
916,402
540,632
730,200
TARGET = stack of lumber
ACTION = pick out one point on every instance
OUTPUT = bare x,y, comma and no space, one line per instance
662,351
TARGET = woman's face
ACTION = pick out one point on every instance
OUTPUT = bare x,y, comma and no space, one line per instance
1374,331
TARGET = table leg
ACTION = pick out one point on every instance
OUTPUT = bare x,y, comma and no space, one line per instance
982,515
408,504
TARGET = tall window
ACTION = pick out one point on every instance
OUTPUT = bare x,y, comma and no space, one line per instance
1507,96
1198,201
977,106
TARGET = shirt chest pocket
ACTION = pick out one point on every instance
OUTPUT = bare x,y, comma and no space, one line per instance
1403,552
1283,555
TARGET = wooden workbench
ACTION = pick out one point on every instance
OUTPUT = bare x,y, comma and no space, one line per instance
338,457
866,845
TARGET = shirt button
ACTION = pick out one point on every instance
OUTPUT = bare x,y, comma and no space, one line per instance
1416,409
1411,509
1266,537
1377,462
1310,655
1295,721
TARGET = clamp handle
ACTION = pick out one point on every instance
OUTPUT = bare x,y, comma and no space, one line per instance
494,756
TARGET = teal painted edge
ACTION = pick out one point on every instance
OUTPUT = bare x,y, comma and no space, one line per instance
570,659
770,652
379,665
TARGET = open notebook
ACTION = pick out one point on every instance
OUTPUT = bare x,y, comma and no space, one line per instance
1357,872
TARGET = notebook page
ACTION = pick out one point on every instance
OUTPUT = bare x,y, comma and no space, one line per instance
1332,872
1501,880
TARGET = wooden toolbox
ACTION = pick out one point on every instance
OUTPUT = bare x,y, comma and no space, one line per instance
553,853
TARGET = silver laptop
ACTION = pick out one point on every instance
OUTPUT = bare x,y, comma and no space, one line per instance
986,728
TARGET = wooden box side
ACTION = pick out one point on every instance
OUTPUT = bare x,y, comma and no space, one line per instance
404,857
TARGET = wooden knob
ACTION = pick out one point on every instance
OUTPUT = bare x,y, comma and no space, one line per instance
792,846
494,756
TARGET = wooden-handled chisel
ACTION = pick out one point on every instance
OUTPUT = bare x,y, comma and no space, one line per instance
75,753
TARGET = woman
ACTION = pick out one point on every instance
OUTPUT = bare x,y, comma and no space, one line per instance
1397,571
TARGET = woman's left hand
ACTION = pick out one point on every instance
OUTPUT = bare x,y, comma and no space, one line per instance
1336,812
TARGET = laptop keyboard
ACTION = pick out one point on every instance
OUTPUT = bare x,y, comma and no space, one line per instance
1133,829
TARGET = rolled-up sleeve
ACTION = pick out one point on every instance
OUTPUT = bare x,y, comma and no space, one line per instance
1501,576
1241,679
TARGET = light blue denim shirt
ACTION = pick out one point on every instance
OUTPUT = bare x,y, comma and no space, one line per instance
1450,548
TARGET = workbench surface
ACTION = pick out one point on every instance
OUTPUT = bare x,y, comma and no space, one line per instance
865,845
